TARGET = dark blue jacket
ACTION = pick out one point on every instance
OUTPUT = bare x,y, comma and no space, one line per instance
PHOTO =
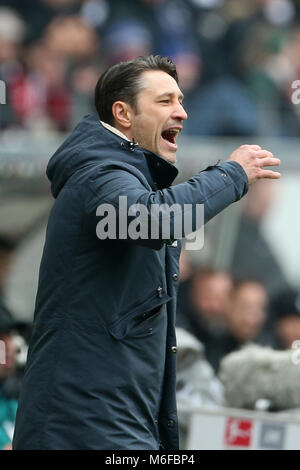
102,358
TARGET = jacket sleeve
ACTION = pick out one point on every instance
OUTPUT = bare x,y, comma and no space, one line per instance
168,214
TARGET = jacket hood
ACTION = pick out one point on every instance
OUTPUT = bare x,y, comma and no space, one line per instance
91,143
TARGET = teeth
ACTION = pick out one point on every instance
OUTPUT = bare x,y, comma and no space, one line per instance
170,135
172,131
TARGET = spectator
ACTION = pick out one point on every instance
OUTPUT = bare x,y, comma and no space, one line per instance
71,38
10,379
286,314
41,96
6,250
37,14
7,247
246,314
202,305
222,108
267,58
127,39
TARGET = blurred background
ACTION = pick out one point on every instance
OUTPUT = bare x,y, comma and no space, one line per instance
237,61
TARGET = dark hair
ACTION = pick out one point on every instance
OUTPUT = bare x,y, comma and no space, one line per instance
122,82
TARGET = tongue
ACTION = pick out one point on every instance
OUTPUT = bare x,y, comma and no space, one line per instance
168,136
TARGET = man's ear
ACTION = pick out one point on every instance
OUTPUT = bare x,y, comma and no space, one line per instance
122,113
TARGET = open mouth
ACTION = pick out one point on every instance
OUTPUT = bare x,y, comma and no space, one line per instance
170,136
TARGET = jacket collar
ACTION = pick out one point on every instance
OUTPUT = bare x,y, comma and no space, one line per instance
162,172
114,130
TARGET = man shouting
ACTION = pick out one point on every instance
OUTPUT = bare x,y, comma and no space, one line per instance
101,363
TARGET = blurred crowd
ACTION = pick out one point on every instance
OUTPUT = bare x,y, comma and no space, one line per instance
14,337
238,328
225,313
236,59
238,337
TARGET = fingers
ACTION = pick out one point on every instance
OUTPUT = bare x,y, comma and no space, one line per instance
254,159
258,151
268,161
269,174
251,147
263,153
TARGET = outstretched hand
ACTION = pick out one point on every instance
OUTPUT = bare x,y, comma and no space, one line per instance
253,159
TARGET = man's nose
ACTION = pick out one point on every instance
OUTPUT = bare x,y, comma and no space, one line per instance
179,112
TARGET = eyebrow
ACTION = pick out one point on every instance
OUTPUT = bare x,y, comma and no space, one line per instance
181,96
